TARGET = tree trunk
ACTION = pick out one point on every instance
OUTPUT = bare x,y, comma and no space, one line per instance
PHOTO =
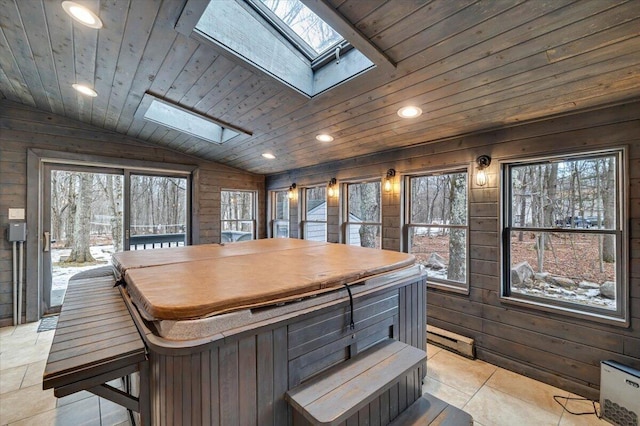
369,209
457,216
609,201
81,251
70,226
113,192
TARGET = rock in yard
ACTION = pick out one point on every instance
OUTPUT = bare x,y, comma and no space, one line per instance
589,285
540,276
608,290
436,261
520,272
562,282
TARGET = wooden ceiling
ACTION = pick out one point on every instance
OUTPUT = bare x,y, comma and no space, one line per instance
470,65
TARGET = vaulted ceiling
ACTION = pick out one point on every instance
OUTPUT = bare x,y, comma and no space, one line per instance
470,65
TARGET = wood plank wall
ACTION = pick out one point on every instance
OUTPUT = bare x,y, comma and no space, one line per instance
553,348
23,128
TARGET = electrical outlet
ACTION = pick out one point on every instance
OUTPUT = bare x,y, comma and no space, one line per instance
16,214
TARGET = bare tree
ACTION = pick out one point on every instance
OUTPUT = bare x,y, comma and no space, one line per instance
609,201
81,250
457,216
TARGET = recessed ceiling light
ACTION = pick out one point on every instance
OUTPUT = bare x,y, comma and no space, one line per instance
85,90
409,112
269,156
82,14
324,137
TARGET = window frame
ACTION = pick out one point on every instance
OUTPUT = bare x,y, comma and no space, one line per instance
294,39
345,208
443,284
305,220
273,212
620,316
254,212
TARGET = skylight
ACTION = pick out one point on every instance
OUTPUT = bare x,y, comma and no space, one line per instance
284,39
185,121
293,16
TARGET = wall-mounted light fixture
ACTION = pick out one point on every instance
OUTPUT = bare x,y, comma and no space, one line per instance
388,180
292,191
332,189
483,162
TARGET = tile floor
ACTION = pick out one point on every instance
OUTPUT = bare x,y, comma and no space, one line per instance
492,395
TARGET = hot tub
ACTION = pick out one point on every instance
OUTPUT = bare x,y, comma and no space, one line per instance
230,328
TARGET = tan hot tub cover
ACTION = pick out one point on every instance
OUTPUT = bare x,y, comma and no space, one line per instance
204,280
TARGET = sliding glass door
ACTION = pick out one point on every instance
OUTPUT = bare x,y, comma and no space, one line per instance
90,212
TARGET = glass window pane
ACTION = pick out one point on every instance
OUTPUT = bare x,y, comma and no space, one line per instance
440,199
364,235
306,24
316,203
565,267
281,205
236,205
281,229
442,250
158,211
315,231
576,193
364,202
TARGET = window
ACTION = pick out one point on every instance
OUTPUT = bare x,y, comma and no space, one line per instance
280,214
437,226
285,40
564,235
363,226
303,28
237,212
315,214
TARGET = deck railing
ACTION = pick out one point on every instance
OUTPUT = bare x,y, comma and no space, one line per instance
144,242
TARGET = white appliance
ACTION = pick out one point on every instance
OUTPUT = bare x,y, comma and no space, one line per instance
619,394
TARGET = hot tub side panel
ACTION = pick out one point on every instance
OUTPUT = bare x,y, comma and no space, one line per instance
241,380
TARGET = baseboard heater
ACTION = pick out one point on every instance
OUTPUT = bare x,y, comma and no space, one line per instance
619,393
455,342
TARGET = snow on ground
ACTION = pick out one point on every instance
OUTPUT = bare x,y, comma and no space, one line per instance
61,274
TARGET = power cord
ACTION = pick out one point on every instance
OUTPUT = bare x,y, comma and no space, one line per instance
595,409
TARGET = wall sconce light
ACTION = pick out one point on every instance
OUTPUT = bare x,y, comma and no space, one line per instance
292,191
332,191
483,162
388,181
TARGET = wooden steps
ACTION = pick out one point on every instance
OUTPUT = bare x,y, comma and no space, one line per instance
348,387
429,410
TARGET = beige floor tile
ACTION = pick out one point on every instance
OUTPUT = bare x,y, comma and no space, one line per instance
14,342
34,374
24,355
529,390
46,336
81,413
74,397
492,407
112,413
25,402
26,329
458,372
11,379
581,406
6,331
446,393
432,350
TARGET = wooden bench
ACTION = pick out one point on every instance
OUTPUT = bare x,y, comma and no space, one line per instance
343,390
96,342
